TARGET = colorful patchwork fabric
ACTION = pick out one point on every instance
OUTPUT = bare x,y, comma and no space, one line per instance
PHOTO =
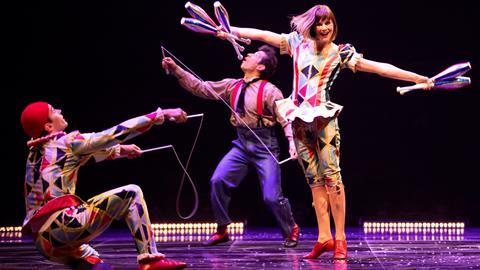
318,147
64,235
314,74
52,167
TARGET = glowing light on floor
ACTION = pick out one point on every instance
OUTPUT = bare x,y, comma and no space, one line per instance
193,232
11,229
418,231
376,224
163,232
10,234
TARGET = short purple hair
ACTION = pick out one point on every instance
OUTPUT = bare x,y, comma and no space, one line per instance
305,23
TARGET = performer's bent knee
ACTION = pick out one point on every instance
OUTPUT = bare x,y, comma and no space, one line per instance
133,188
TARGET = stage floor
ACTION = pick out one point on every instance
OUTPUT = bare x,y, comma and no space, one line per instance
261,248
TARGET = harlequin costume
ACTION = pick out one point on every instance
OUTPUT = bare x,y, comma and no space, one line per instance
314,116
61,223
254,102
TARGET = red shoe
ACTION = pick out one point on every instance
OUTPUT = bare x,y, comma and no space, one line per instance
162,264
292,240
340,252
217,238
320,248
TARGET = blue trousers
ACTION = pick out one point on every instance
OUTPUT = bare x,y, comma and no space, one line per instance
247,152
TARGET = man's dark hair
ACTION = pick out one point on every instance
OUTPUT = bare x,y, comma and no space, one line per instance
270,61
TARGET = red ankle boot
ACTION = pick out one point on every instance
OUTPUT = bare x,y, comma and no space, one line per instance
320,248
340,252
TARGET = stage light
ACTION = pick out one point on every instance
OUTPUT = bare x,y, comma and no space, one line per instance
163,232
411,225
412,229
10,234
192,231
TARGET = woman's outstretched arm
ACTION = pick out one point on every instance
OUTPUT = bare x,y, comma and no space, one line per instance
389,71
269,37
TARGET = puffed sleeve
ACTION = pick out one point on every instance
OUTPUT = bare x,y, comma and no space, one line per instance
289,42
348,56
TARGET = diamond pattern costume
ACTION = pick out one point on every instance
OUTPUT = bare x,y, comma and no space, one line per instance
60,222
315,126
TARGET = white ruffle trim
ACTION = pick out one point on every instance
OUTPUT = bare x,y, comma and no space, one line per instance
352,64
305,112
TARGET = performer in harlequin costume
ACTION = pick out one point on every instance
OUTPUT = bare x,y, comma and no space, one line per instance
61,223
253,100
316,63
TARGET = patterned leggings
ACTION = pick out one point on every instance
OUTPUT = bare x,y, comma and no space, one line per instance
64,237
318,147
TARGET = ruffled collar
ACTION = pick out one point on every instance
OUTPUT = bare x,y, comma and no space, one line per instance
44,139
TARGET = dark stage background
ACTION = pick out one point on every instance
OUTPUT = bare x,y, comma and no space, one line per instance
403,157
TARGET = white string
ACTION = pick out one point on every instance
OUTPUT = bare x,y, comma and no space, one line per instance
185,172
178,60
185,168
226,104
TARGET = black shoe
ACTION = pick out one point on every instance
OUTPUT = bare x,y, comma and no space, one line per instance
292,240
217,238
90,263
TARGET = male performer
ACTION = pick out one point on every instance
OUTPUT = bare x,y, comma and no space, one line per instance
60,222
253,99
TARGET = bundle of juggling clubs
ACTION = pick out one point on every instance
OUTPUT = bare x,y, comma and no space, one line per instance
202,23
